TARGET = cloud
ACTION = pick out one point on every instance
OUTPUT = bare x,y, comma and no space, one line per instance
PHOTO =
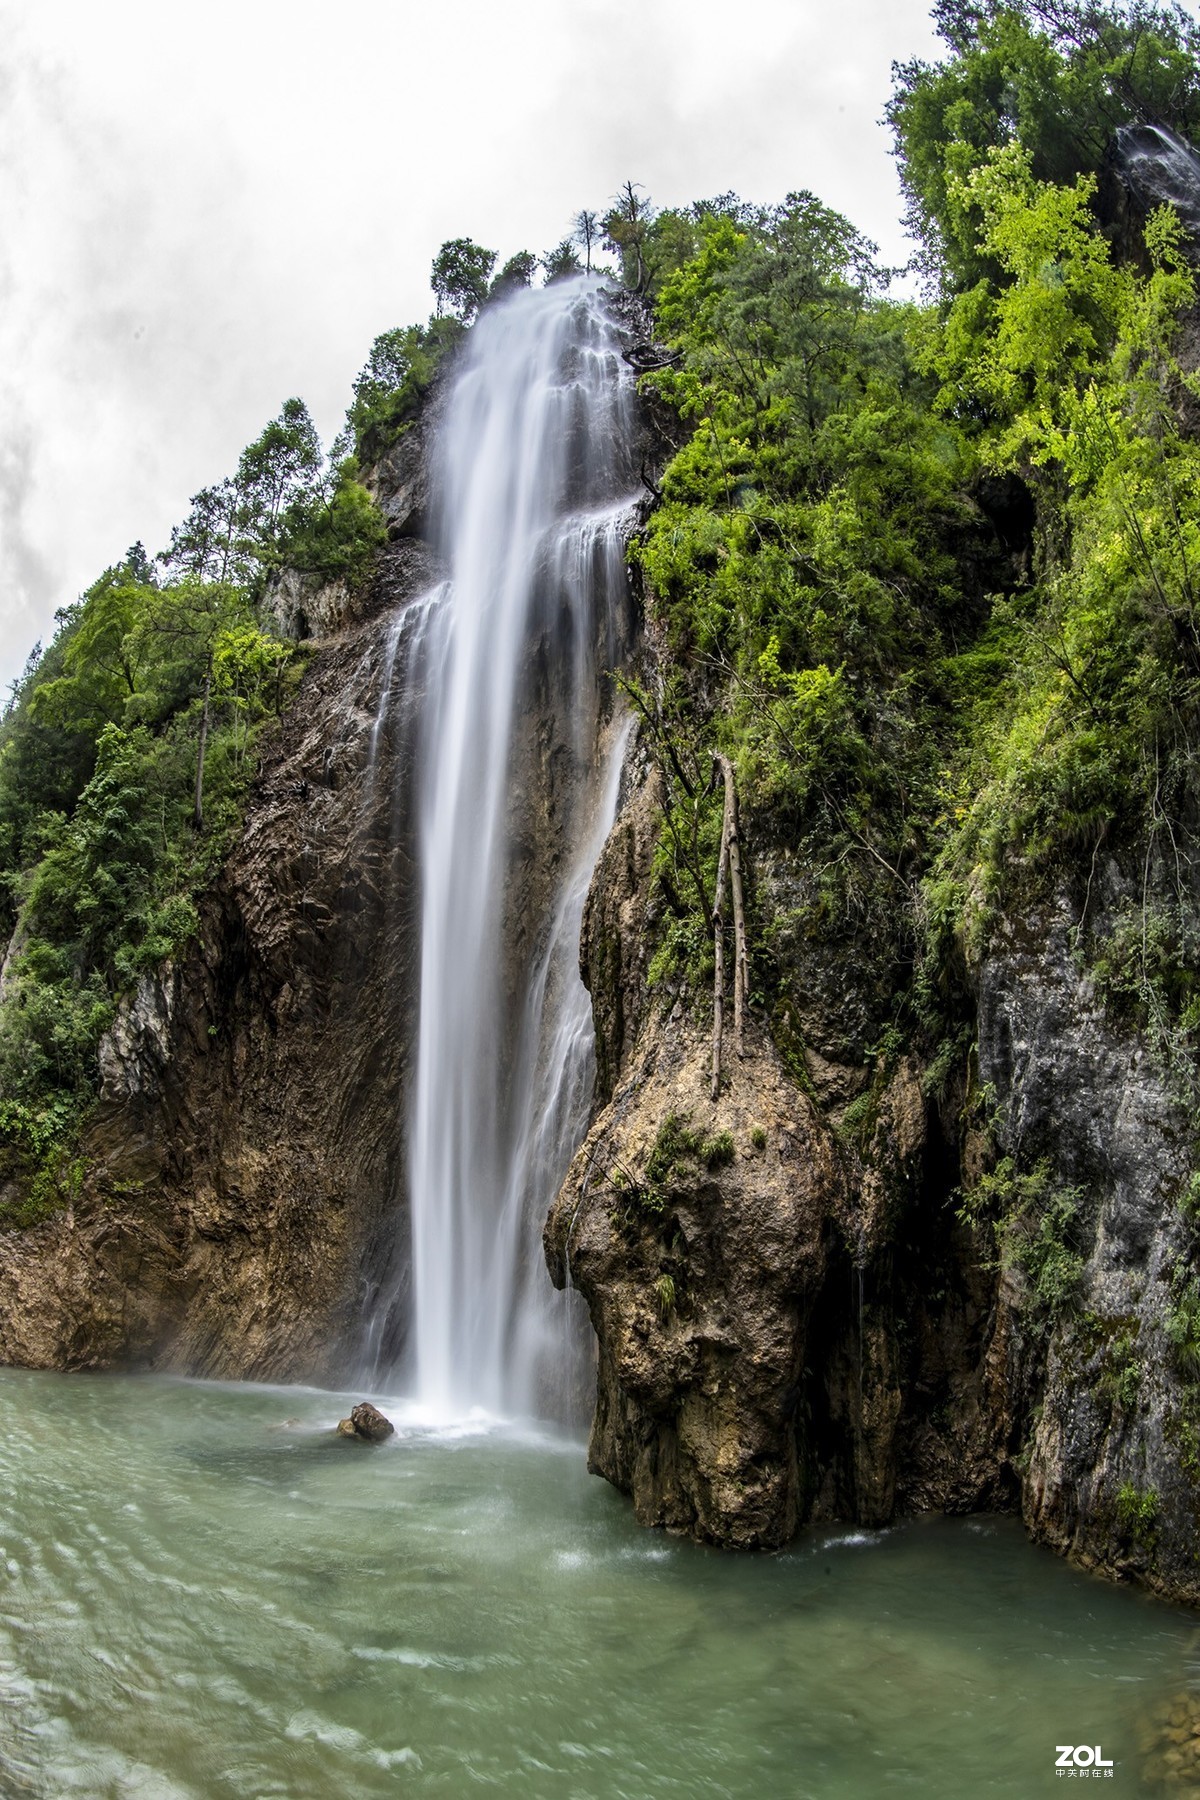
28,576
208,211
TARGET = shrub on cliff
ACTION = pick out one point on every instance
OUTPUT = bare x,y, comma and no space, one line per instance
928,573
1056,76
154,696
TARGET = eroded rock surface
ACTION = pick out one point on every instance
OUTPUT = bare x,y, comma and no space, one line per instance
1112,1458
242,1210
245,1149
791,1321
814,1328
700,1283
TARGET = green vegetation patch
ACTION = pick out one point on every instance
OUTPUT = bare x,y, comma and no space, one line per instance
1038,1227
1137,1511
928,573
674,1156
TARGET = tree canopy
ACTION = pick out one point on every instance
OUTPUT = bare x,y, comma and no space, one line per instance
462,270
1057,76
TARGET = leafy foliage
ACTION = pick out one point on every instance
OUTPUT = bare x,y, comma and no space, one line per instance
1037,1224
928,573
125,755
517,273
1073,367
664,1294
462,270
1056,76
392,384
1137,1511
1183,1322
677,1147
561,263
806,562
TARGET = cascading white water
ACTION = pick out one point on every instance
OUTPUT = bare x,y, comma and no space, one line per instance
517,781
1158,166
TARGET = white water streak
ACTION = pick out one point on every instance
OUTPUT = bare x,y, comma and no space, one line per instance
535,482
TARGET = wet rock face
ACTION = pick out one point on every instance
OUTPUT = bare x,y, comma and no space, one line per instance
135,1051
613,950
700,1256
810,1330
305,606
760,1289
403,481
792,1322
246,1149
1112,1453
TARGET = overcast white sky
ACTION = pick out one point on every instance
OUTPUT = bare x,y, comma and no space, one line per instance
206,209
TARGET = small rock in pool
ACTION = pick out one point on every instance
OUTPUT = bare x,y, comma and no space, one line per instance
345,1428
369,1422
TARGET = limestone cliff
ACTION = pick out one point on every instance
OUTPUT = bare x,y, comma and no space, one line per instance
798,1316
1109,1461
247,1141
799,1311
242,1208
790,1321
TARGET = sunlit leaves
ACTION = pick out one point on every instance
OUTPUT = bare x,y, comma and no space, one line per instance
1058,79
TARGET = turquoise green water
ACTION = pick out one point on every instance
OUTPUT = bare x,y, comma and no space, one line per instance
200,1599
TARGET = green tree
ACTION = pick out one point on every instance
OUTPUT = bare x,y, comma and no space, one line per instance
460,275
586,231
1069,367
626,229
806,567
102,660
211,543
138,565
281,466
335,532
389,389
1057,75
518,272
91,881
561,263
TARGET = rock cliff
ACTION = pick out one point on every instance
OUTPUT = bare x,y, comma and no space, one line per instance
1110,1471
799,1314
246,1146
790,1321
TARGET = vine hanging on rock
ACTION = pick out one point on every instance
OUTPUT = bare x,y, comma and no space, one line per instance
729,874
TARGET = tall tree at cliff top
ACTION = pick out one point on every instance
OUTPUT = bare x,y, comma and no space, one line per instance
1059,76
1057,345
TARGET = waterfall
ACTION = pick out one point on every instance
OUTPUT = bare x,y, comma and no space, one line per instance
517,770
1160,167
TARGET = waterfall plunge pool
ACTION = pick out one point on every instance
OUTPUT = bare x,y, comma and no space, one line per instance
205,1593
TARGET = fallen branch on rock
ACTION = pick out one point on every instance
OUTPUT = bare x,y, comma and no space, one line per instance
729,873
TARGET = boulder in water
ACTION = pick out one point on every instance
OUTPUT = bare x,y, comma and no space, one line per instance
366,1421
345,1428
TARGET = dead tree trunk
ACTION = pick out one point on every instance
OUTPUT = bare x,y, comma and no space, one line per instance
729,872
718,919
741,960
198,810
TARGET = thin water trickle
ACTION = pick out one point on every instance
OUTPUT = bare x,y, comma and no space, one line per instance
400,658
518,766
